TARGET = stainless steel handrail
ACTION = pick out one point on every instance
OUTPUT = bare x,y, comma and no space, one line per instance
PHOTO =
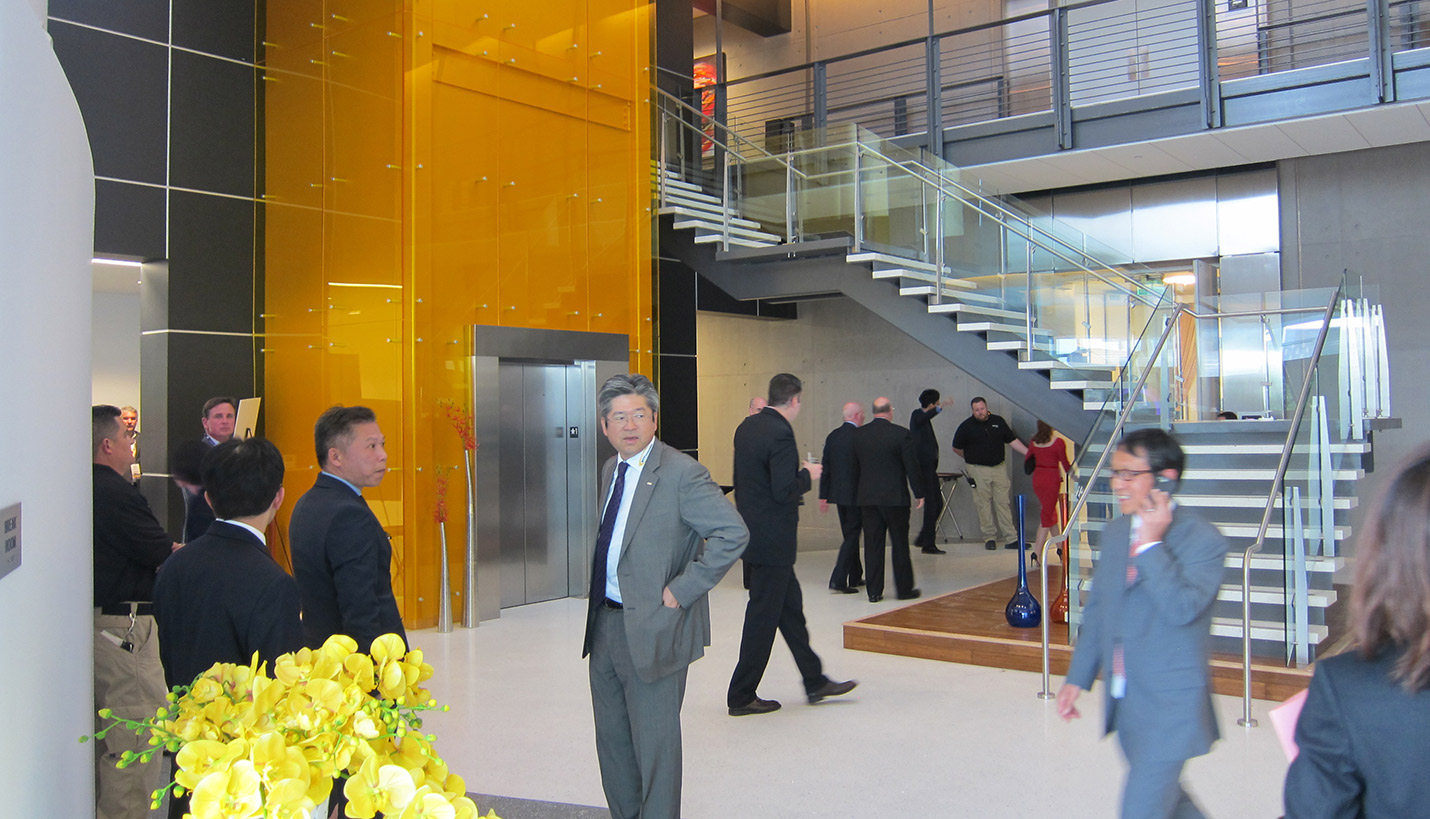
1246,720
721,127
1177,311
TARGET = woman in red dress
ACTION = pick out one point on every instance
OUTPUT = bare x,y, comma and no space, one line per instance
1051,457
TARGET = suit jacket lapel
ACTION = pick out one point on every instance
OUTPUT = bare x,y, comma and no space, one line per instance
648,478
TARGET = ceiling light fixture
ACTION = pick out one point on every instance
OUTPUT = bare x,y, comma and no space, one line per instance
116,262
1179,278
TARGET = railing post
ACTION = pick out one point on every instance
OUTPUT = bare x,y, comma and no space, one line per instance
938,242
725,204
1028,296
1382,70
858,201
1060,79
1208,75
790,199
664,154
821,98
934,103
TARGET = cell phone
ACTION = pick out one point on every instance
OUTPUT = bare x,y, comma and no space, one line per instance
1165,484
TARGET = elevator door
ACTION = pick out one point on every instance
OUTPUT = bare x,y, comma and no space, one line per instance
537,461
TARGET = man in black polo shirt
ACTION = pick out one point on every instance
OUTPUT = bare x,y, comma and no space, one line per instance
979,441
129,545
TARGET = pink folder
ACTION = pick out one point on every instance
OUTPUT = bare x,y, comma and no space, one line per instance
1283,721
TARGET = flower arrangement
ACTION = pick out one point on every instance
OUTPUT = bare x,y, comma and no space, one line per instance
461,421
251,745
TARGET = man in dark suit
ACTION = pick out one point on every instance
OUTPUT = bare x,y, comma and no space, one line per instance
885,470
222,597
1147,628
218,418
836,484
129,546
769,480
342,559
926,453
667,536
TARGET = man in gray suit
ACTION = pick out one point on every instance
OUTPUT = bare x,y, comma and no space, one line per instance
648,617
1147,628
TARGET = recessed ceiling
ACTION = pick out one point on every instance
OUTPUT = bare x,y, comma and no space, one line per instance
1395,124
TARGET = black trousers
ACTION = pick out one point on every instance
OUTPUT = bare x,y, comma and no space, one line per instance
933,505
895,521
775,604
848,569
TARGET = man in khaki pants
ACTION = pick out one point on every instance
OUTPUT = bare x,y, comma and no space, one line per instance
980,442
129,545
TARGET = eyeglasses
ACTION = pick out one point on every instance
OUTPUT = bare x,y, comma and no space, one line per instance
619,418
1129,474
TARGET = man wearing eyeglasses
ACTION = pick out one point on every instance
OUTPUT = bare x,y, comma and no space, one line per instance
1147,628
667,536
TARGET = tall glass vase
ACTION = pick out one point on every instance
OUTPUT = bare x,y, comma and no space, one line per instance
444,593
1023,610
471,617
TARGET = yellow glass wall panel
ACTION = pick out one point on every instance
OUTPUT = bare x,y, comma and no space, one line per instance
431,166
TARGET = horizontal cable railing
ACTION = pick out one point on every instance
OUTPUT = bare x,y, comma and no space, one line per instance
1112,49
1409,25
1111,56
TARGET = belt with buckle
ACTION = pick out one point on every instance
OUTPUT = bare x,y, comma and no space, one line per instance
124,609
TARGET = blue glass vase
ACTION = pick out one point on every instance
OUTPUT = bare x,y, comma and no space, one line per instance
1023,610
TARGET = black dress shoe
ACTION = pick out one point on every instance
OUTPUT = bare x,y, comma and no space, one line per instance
857,582
874,598
831,689
844,589
990,545
911,594
1011,545
933,550
754,706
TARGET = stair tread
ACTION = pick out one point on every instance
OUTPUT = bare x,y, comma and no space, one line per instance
701,213
745,232
922,276
1227,501
1264,629
1241,529
993,326
712,238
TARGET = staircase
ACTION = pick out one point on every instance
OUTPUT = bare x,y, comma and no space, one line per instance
755,263
1061,335
1229,470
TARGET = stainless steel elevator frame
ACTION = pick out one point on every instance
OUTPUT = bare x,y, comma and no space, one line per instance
599,356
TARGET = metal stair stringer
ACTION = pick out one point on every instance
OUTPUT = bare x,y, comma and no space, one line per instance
819,268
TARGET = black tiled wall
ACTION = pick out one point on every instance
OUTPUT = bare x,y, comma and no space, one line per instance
174,131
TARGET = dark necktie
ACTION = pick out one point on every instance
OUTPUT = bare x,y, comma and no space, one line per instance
603,535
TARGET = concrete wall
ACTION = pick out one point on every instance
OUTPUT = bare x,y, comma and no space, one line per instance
841,352
1364,212
114,350
46,227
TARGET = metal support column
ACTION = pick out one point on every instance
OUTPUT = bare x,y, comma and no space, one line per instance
1208,75
1382,71
1061,79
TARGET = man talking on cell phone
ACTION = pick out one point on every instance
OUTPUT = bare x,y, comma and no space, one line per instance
1147,628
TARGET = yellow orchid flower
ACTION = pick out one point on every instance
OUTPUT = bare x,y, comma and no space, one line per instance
288,799
198,759
428,805
385,788
228,794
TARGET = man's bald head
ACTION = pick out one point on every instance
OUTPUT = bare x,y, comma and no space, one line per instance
854,412
883,408
756,404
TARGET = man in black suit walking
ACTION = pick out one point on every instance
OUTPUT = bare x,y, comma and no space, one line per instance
342,559
769,480
926,453
837,485
222,597
886,466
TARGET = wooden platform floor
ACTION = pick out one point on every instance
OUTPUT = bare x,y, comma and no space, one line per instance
968,627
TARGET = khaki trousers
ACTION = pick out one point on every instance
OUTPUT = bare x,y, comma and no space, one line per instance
131,684
990,497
